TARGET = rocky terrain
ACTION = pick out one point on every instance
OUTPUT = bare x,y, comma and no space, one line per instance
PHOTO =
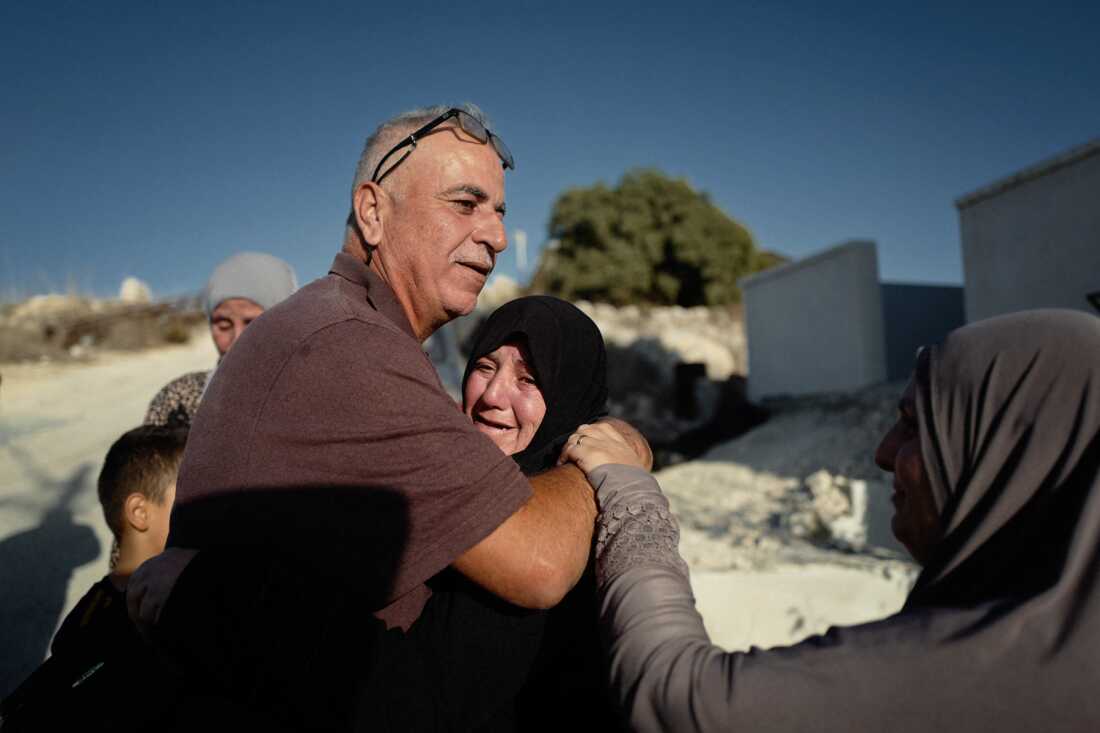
60,327
787,528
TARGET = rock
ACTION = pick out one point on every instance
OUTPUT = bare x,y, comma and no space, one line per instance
850,530
830,501
667,335
497,292
40,308
134,290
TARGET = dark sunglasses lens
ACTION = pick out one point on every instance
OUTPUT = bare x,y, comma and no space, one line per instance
472,126
503,151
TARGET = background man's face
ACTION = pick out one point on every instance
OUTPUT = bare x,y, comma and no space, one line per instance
447,227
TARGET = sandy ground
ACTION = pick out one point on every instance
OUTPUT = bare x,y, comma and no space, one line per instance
755,583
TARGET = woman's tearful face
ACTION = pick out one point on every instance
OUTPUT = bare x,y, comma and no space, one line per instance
503,398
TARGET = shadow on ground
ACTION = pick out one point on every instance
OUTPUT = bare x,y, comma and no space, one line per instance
36,566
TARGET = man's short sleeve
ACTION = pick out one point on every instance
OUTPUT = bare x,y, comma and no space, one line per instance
358,409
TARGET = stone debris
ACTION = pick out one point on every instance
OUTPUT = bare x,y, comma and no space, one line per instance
499,290
134,290
777,495
667,335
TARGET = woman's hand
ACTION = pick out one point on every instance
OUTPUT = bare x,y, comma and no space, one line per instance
597,444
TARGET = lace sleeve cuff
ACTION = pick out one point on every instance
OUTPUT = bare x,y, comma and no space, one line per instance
635,527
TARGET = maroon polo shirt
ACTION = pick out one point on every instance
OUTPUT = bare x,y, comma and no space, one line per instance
325,436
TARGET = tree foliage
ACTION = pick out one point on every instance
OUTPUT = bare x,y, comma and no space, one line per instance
651,239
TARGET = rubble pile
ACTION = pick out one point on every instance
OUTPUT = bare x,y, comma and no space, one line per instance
801,488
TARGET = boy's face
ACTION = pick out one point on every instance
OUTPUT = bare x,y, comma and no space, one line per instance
158,516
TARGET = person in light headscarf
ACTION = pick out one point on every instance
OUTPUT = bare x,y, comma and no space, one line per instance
239,290
996,463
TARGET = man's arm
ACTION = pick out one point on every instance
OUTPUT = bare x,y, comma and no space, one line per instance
539,553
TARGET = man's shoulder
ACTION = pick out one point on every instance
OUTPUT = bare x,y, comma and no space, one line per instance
323,303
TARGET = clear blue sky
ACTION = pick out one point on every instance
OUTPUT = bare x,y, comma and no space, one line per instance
154,139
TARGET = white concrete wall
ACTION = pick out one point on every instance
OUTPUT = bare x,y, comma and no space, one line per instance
1033,241
816,325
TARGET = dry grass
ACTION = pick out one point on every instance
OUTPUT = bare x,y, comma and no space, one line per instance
72,328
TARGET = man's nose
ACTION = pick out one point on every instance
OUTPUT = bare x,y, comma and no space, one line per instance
491,233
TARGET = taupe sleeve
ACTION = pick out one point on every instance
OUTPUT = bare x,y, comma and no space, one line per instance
665,673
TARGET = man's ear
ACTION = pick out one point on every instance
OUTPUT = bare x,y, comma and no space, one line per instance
135,510
370,212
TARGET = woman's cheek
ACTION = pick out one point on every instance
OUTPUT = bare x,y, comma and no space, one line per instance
475,387
532,410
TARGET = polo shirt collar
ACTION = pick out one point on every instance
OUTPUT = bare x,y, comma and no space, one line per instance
379,294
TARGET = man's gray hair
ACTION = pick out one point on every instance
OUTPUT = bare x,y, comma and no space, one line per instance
390,132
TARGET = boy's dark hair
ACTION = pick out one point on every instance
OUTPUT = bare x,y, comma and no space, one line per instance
144,460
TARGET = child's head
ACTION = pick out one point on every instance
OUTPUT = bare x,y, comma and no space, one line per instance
138,485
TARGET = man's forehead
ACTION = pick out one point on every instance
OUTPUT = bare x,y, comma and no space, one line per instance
452,162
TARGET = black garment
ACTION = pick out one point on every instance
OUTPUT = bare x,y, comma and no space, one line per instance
243,629
567,686
100,675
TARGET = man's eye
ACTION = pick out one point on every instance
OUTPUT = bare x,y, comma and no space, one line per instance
466,204
484,366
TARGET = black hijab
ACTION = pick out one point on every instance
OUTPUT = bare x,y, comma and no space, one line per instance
569,363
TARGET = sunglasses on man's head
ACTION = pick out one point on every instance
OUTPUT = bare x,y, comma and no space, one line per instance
469,124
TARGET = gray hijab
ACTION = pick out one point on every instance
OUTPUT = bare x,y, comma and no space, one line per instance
1010,411
1002,629
262,278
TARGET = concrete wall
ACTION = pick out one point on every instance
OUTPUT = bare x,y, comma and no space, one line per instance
816,325
1033,240
915,316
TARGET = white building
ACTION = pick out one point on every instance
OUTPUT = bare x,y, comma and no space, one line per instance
827,324
1032,240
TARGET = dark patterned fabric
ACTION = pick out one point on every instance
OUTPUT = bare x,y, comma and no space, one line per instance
175,404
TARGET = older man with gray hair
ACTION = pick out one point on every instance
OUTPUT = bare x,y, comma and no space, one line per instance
326,430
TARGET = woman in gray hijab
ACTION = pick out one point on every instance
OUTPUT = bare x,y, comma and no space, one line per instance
996,463
240,289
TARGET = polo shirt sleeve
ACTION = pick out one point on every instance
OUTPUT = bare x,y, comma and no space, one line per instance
408,483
